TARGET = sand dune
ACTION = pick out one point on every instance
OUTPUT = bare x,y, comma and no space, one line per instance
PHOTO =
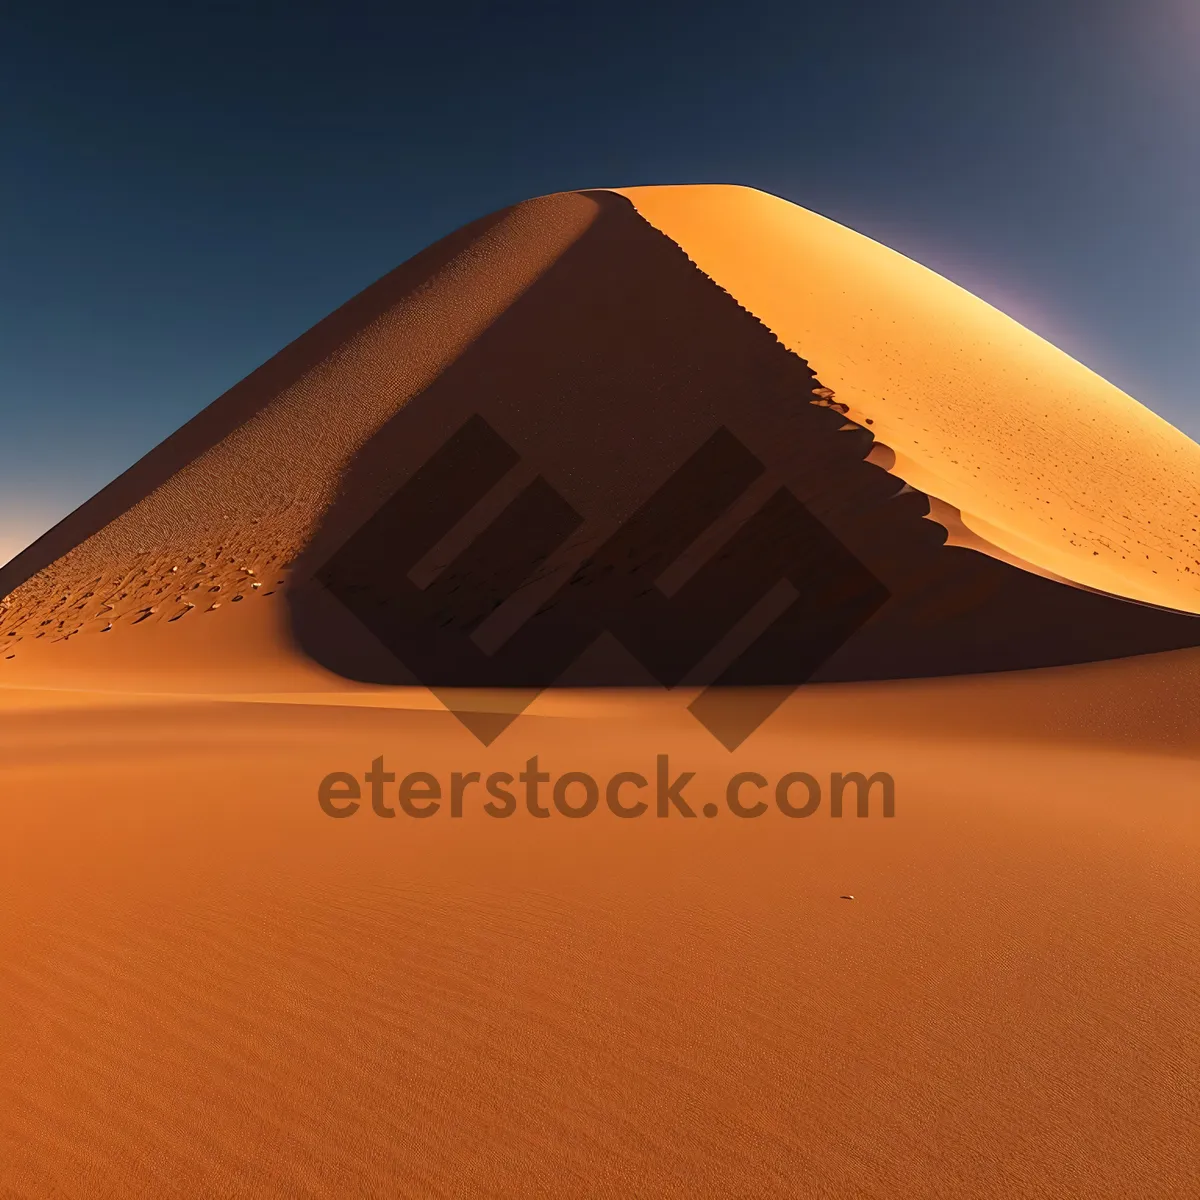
613,423
569,322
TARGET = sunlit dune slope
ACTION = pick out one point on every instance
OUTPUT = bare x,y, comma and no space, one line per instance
1042,457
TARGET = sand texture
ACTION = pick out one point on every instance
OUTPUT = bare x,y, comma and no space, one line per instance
210,987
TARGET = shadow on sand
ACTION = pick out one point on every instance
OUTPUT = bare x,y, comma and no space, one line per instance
626,480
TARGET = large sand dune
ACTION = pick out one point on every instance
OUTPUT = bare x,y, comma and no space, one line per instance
211,988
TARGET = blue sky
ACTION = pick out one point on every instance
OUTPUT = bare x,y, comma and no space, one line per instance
187,187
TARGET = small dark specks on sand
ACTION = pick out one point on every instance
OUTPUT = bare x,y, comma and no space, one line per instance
846,897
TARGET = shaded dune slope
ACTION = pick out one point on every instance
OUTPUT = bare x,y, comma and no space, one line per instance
604,359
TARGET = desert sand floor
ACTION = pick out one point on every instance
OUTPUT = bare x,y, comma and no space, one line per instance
211,988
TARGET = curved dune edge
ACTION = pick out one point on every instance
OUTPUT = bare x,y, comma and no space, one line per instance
958,533
241,656
1065,473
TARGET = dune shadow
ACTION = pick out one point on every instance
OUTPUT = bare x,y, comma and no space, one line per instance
626,480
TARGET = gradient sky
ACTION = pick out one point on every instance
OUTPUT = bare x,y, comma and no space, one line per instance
186,187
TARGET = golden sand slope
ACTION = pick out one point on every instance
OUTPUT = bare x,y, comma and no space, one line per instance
1041,456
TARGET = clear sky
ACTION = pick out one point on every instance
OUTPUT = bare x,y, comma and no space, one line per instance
186,187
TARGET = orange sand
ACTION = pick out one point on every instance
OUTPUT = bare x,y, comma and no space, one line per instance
210,988
1040,455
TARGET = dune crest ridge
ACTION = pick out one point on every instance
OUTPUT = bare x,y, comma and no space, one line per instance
1042,458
